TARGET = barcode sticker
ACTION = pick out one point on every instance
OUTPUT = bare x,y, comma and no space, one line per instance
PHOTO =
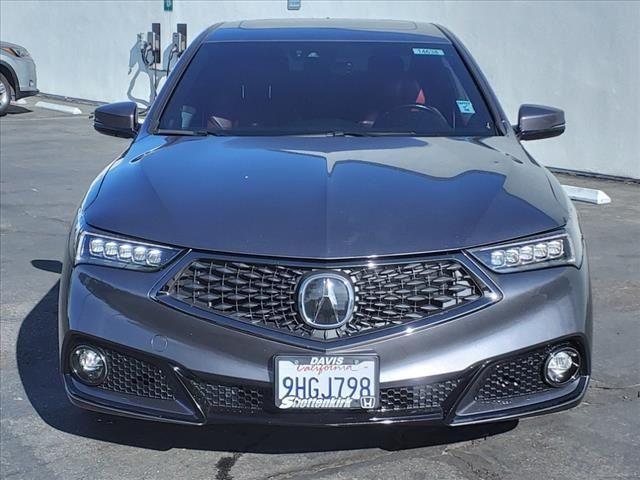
465,106
428,51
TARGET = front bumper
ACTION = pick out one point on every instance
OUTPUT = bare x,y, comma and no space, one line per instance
26,78
29,92
171,366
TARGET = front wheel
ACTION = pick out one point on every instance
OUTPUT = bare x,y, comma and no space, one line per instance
5,95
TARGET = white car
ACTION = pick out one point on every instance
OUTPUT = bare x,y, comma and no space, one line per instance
17,74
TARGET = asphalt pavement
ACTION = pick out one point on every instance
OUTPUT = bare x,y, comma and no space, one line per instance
48,159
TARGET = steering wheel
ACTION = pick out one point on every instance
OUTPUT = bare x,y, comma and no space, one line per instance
423,109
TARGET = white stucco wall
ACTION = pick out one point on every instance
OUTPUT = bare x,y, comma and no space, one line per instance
580,56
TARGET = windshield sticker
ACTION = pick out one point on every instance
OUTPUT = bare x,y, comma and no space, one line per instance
465,106
428,51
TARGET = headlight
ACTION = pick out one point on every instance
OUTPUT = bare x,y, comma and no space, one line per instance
121,252
564,247
16,51
528,254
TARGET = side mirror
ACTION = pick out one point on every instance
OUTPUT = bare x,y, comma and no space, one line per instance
537,121
117,119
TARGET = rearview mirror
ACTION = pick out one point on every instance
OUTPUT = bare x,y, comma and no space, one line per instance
537,121
117,119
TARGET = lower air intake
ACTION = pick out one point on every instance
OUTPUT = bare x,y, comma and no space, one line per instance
516,377
126,374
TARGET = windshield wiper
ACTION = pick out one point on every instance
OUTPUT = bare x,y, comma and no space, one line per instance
215,133
188,133
334,133
395,134
191,133
339,133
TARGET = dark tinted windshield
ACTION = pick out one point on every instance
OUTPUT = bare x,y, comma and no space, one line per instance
327,87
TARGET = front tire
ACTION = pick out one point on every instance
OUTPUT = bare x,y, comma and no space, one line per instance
5,95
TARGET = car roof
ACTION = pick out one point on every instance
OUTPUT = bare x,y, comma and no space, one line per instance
327,30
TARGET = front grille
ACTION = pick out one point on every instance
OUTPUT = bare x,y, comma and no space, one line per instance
226,397
265,295
130,375
516,377
423,397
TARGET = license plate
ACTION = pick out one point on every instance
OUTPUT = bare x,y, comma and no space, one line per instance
326,382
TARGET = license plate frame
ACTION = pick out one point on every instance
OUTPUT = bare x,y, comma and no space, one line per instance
323,403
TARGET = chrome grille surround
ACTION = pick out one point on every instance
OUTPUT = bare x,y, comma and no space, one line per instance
260,295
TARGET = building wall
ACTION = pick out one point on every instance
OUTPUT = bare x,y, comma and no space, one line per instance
580,56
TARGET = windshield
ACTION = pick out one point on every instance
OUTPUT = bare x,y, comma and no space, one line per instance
368,88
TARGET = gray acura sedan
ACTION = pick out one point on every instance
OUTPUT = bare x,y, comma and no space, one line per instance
326,222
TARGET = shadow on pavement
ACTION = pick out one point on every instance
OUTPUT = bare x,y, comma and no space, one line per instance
37,359
17,109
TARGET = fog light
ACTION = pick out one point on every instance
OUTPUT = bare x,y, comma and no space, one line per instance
562,366
88,365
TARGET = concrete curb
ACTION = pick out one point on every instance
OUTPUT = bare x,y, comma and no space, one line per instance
589,195
59,108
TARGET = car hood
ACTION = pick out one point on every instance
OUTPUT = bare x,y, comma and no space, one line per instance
326,197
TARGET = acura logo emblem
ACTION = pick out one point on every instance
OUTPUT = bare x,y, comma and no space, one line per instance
326,300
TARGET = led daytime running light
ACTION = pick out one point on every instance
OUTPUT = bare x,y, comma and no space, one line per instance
125,253
527,254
